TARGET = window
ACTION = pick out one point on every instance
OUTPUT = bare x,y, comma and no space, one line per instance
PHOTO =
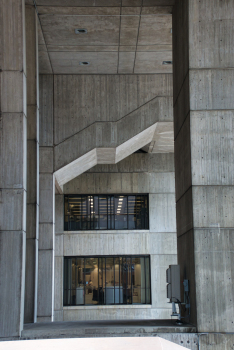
106,280
106,212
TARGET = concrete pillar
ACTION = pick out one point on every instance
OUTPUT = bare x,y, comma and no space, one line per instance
58,260
204,124
13,155
32,165
45,305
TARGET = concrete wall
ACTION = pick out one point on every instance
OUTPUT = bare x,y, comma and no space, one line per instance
68,105
32,221
139,173
106,111
203,120
13,167
46,212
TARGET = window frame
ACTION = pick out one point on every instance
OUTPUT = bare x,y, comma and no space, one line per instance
67,225
131,256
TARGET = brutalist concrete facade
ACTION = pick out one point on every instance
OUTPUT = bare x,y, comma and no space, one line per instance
68,133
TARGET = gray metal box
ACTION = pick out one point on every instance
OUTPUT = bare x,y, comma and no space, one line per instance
173,280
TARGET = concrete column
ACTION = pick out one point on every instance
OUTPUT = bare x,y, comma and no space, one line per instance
45,310
13,155
32,165
203,114
58,260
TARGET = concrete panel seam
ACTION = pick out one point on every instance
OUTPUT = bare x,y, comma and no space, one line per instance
188,114
137,36
181,87
190,187
39,22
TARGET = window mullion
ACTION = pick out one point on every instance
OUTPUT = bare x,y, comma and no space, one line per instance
127,214
131,280
114,278
105,283
84,280
145,277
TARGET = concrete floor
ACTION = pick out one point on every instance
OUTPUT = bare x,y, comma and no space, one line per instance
109,328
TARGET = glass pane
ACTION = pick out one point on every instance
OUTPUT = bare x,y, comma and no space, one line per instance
121,287
109,281
76,223
132,225
91,281
136,280
69,281
146,213
143,277
73,212
131,205
147,272
111,216
88,212
138,212
103,205
111,222
79,281
102,222
73,282
101,272
95,213
118,289
66,216
121,205
121,222
65,281
126,281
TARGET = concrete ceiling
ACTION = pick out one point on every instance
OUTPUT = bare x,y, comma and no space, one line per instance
123,37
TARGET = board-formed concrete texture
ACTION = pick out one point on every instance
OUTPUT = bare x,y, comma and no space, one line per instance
13,168
157,179
122,37
112,127
67,127
32,222
203,116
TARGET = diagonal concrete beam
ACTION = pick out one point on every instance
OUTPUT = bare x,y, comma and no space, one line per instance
163,139
111,155
110,134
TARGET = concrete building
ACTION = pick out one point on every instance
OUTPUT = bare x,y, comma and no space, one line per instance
92,108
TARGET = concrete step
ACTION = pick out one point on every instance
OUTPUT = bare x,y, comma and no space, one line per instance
110,328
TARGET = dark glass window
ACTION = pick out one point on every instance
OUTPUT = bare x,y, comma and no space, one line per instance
106,212
106,280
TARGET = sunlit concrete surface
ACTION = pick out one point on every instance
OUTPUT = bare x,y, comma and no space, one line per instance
135,343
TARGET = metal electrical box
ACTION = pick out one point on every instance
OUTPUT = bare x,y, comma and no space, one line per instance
173,280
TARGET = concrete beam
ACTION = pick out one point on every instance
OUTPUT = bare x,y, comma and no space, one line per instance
103,156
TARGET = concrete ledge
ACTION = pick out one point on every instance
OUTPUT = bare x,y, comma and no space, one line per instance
104,231
113,328
100,307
